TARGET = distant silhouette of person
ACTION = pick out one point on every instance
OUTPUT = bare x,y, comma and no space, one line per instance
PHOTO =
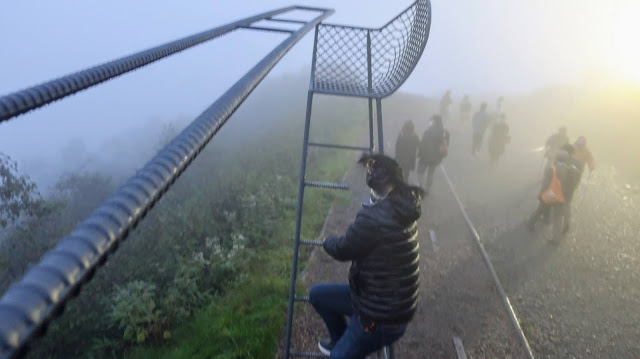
382,245
406,147
498,138
445,103
480,122
430,151
499,108
465,109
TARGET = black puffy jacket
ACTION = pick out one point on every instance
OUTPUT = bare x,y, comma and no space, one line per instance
382,244
429,149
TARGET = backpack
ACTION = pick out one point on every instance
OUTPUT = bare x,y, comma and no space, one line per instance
553,193
444,145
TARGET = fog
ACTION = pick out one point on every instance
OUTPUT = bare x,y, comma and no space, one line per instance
569,63
488,47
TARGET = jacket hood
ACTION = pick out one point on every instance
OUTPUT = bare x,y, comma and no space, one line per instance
405,204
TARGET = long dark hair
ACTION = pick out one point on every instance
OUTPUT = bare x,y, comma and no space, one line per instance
437,122
408,128
384,171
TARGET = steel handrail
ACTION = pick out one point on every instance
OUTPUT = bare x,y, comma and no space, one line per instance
23,101
29,305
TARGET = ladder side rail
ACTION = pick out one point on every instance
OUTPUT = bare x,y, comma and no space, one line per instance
369,90
296,240
371,142
301,186
379,116
29,305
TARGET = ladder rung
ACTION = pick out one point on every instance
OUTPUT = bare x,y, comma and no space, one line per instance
262,28
311,242
327,185
288,20
341,147
302,299
307,355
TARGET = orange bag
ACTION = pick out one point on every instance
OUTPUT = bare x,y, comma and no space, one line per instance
553,193
444,148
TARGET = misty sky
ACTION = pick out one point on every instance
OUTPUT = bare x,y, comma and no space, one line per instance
494,46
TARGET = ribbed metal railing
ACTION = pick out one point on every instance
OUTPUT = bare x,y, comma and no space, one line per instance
30,304
37,96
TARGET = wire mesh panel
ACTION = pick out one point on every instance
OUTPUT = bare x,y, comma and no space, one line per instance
341,63
371,62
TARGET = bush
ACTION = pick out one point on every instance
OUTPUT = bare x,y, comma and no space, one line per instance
135,312
187,292
199,246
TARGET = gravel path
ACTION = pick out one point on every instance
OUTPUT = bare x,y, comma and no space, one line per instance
578,298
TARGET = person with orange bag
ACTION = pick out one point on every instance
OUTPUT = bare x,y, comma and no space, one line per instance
582,155
559,183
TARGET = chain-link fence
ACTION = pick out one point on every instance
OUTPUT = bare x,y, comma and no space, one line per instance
366,62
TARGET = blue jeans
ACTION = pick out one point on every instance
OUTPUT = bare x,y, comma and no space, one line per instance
333,303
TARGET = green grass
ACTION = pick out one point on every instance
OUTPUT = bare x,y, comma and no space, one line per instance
247,321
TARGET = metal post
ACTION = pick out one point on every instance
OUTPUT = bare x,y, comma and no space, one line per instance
379,115
303,171
371,145
369,87
296,243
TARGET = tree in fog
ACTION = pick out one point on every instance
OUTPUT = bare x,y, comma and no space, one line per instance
19,195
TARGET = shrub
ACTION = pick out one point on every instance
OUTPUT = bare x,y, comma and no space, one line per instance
134,310
187,292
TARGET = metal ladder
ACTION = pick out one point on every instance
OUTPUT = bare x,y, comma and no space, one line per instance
361,62
301,191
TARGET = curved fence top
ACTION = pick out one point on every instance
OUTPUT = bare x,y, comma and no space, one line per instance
356,61
30,304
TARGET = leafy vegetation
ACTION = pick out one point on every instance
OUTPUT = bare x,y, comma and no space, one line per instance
206,273
18,194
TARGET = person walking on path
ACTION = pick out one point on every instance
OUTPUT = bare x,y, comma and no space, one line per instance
554,143
499,109
406,147
583,155
480,122
433,148
465,109
445,104
558,185
498,138
382,245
